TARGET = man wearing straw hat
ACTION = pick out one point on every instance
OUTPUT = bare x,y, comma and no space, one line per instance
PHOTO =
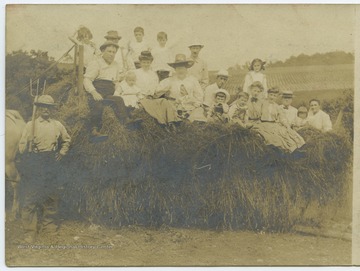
222,77
100,81
43,145
199,70
290,111
125,62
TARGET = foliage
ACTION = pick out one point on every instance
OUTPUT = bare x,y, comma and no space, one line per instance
330,58
20,67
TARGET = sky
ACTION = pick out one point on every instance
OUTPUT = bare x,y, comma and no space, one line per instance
231,34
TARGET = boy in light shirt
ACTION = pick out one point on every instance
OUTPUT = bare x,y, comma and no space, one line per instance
219,109
162,56
139,45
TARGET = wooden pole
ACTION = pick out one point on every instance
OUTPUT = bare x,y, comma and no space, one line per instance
80,82
75,68
31,144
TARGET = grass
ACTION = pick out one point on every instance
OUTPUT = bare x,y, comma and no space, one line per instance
204,176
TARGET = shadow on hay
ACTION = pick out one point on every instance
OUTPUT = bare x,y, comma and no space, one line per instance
205,176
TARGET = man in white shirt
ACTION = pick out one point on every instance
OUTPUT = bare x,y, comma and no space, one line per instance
221,78
199,70
290,111
318,118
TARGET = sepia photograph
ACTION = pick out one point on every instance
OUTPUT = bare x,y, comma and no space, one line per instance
176,135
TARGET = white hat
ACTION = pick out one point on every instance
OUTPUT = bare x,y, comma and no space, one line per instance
196,43
227,95
223,72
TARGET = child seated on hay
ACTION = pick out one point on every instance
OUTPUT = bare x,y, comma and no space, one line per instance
274,127
301,119
219,109
129,91
238,110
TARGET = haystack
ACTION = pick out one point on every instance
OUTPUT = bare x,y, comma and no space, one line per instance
205,176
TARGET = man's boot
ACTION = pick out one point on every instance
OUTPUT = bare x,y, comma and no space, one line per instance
97,137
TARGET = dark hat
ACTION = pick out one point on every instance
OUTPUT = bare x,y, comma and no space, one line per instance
108,43
45,100
146,55
112,34
180,61
287,94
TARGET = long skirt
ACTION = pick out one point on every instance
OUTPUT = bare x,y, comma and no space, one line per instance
279,136
160,109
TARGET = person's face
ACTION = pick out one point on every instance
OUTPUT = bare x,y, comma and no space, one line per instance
113,40
195,50
286,101
139,36
242,101
145,64
314,106
302,115
162,41
86,38
272,96
255,91
45,112
257,66
221,80
131,80
109,54
181,72
220,98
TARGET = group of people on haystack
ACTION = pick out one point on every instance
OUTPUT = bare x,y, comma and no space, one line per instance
171,90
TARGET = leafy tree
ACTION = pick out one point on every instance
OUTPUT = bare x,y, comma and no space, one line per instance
20,67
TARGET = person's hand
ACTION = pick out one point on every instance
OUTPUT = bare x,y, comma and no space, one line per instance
96,96
58,156
183,91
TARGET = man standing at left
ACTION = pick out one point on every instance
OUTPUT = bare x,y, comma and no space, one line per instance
43,144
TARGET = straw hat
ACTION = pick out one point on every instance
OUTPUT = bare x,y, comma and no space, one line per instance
227,95
108,43
223,72
287,94
146,55
181,61
112,34
196,43
45,100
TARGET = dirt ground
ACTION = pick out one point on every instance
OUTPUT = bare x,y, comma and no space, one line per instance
78,244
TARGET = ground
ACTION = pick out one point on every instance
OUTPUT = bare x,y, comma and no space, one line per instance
80,244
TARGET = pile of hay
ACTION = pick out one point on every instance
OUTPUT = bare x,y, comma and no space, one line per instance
205,176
